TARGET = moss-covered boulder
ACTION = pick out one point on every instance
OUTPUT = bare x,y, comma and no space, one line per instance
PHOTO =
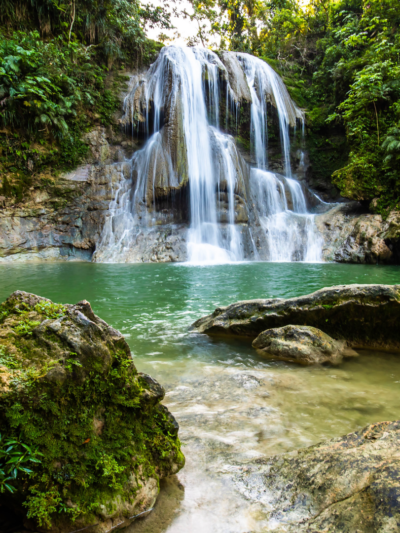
91,439
348,484
301,344
365,316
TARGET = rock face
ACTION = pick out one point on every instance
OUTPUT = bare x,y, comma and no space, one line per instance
299,344
71,218
351,237
365,316
348,484
65,221
235,74
159,244
70,391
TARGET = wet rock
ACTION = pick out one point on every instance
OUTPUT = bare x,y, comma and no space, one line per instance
162,244
236,77
153,393
70,390
353,237
347,484
299,344
391,235
46,228
364,316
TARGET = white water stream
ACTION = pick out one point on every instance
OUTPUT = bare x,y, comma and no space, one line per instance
179,98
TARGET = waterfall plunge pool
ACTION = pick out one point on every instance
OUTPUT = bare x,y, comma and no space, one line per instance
232,405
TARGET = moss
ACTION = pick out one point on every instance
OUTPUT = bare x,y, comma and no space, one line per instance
95,428
243,143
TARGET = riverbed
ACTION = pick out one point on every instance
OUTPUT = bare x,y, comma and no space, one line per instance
232,405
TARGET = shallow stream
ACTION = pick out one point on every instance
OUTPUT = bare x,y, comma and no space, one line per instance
232,405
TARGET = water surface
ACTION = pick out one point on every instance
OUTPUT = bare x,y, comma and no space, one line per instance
232,405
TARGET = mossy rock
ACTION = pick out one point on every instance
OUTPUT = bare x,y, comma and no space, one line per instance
70,391
365,316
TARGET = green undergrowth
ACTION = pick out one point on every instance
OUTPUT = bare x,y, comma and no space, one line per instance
61,75
340,61
52,94
97,435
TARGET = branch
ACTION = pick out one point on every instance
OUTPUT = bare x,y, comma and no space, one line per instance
72,19
377,121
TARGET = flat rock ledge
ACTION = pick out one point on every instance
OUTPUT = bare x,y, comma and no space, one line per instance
349,484
301,344
99,438
365,316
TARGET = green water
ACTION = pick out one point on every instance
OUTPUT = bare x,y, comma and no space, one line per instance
232,405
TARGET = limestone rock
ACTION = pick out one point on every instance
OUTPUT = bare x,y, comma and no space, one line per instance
236,77
69,388
353,237
98,145
362,315
299,344
391,235
348,484
49,228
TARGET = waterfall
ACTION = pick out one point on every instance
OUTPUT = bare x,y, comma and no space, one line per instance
291,232
265,84
187,158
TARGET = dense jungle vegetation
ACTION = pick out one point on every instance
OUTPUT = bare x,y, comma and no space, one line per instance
62,66
341,62
339,59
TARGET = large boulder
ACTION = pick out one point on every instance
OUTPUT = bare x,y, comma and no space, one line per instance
300,344
365,316
348,484
95,436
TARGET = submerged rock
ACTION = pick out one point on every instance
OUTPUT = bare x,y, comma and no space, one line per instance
300,344
365,316
70,392
348,484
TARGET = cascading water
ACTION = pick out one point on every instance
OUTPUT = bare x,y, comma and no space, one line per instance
178,103
265,84
290,232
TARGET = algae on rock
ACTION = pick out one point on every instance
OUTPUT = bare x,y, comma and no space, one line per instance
69,387
365,316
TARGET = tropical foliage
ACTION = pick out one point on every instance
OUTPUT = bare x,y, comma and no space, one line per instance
60,74
15,459
340,60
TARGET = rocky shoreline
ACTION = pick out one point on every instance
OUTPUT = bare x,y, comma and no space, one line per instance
347,484
67,226
100,442
352,236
